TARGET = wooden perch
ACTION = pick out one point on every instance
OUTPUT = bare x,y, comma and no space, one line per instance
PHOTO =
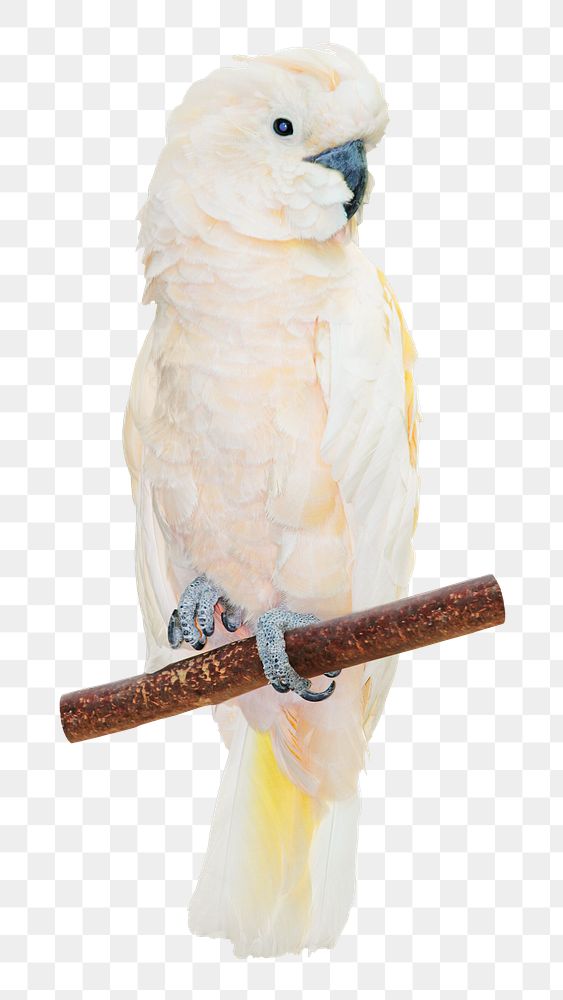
234,669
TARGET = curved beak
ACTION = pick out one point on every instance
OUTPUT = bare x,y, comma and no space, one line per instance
350,159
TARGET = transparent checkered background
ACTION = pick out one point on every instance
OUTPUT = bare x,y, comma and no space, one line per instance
461,863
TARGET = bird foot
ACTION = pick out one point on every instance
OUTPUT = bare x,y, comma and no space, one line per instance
193,620
270,629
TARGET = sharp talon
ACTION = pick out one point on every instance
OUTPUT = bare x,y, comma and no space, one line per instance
332,673
318,695
198,645
278,686
226,623
174,630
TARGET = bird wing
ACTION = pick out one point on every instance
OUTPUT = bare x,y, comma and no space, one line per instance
161,566
370,442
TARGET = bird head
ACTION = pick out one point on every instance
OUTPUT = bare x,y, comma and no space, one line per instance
276,145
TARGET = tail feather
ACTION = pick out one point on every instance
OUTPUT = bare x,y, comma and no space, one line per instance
254,888
279,873
333,872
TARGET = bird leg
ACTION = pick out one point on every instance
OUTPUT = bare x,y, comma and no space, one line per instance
270,629
193,620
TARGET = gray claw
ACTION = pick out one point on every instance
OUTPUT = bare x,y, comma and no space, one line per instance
319,695
231,616
278,686
270,640
175,636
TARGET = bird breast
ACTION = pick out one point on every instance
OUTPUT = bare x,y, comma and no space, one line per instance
239,395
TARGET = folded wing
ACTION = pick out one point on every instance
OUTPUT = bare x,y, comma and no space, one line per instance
370,442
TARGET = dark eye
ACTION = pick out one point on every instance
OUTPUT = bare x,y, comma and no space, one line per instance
283,126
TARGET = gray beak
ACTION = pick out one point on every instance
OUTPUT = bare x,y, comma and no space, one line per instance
350,159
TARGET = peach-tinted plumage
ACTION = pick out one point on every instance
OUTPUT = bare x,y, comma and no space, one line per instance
271,439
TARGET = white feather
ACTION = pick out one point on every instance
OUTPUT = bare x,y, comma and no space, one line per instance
254,888
366,442
333,872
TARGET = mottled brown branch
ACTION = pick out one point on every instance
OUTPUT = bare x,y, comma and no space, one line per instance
234,669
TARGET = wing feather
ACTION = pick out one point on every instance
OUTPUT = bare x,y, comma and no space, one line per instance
370,442
161,566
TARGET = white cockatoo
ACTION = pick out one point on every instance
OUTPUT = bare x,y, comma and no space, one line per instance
271,436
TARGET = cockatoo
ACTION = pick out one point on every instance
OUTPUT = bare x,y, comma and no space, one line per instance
271,437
